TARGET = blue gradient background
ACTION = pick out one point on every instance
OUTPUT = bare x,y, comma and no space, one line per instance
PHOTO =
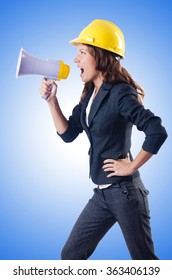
44,182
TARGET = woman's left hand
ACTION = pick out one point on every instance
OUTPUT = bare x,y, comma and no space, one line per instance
120,167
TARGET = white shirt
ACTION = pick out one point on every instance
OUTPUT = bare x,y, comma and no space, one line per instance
89,106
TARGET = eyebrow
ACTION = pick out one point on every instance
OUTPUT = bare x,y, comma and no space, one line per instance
83,50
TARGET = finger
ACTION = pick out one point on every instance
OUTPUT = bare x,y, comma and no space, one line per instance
109,169
111,174
47,81
43,93
107,165
108,161
46,88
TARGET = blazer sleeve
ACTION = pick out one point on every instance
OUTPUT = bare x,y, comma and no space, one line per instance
74,125
144,119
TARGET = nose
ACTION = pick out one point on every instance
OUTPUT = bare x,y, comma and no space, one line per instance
76,59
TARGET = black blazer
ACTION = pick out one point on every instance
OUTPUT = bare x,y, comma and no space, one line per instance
113,112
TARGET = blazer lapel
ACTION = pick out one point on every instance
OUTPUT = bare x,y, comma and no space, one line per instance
98,100
84,106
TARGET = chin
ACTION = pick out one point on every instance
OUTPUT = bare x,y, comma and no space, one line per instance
85,80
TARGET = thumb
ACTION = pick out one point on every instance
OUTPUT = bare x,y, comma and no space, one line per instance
54,88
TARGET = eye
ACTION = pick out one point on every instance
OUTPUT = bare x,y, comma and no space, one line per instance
83,52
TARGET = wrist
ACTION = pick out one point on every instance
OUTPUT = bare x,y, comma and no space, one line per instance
52,100
132,168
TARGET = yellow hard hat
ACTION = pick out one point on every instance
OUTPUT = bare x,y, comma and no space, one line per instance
103,34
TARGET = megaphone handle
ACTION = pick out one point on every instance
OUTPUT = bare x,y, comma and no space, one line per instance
45,96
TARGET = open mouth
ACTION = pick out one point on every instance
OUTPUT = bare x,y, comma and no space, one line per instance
82,71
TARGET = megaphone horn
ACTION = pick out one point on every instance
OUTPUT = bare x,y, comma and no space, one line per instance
50,69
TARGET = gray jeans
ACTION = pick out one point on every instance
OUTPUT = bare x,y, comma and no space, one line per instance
125,203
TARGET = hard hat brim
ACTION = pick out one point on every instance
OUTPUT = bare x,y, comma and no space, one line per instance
77,41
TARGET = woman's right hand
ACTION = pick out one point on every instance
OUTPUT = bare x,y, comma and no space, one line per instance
48,89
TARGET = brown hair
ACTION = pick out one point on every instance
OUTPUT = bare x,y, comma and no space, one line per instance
108,64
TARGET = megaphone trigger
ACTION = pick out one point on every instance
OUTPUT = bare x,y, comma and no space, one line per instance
45,96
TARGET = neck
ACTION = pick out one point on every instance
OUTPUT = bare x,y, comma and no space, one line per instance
98,82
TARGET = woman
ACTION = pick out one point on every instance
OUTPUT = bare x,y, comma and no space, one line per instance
110,104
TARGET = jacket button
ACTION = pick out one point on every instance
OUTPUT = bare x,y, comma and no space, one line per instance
124,192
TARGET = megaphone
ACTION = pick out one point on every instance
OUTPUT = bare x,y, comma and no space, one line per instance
51,69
